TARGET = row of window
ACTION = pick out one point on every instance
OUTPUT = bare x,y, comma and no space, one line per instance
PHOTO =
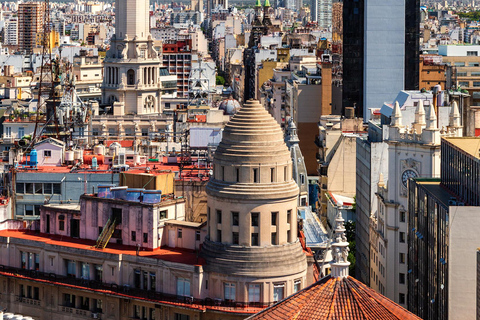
38,188
145,280
143,313
29,292
83,303
256,175
84,270
230,290
30,261
254,217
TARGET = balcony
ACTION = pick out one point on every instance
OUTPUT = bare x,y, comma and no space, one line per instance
33,302
80,312
126,291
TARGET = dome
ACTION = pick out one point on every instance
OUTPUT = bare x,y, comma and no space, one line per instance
229,106
253,139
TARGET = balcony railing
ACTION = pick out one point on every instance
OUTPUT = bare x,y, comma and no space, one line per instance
133,292
33,302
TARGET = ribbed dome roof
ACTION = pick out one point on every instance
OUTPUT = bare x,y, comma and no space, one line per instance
252,136
230,106
335,298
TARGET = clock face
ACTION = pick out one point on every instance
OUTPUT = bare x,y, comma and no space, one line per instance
407,174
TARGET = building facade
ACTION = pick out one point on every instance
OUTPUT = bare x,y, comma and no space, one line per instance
30,22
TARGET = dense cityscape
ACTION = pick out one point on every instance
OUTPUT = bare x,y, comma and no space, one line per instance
266,159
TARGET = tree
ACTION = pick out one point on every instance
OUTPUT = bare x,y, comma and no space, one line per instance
350,234
220,80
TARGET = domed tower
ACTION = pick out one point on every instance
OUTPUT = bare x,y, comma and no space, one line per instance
252,212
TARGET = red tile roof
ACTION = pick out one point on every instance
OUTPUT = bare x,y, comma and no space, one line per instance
335,298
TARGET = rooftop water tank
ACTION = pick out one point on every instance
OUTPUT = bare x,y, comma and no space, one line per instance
114,148
152,196
135,194
119,192
69,156
99,149
78,154
94,163
104,191
33,158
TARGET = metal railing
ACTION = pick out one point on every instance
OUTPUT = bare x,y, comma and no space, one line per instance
126,290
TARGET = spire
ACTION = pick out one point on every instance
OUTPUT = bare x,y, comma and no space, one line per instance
397,116
267,3
420,113
381,182
258,3
340,250
454,115
431,118
291,136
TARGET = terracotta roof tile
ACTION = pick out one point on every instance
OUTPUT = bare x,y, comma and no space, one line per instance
335,299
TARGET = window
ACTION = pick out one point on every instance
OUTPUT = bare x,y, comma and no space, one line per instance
402,257
98,269
179,316
254,292
162,215
21,132
183,287
285,173
237,172
47,188
61,225
255,175
472,53
134,236
145,237
254,239
254,219
219,235
401,278
289,216
219,216
274,238
476,83
47,153
20,187
179,236
71,268
137,281
144,132
278,292
36,293
29,188
97,305
153,281
229,290
274,218
23,257
402,237
69,300
402,216
29,210
401,298
56,188
197,235
235,239
8,132
84,303
297,285
234,218
223,172
272,174
302,179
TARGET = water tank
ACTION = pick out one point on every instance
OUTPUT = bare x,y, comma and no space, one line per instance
78,154
349,113
69,156
119,192
94,163
134,194
115,148
152,196
33,158
99,149
104,191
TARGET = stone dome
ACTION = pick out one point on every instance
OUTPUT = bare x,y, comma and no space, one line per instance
252,158
229,106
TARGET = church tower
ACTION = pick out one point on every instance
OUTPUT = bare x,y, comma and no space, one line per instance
252,241
131,65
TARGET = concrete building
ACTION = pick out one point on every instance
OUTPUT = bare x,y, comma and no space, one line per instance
252,201
131,65
11,31
30,22
322,13
443,215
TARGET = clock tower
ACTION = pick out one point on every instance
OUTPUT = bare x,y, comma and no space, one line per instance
132,64
412,151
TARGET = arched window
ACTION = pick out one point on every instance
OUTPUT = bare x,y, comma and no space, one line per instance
130,77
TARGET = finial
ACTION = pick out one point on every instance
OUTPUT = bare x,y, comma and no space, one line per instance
258,3
381,182
340,250
420,113
267,3
454,115
432,118
397,116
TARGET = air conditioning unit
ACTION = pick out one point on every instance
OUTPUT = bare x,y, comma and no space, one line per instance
95,316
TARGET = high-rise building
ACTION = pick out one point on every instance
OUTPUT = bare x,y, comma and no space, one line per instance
30,22
132,64
322,13
381,52
11,32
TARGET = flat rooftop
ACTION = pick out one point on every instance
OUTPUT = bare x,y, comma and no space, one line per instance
177,255
470,145
434,187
